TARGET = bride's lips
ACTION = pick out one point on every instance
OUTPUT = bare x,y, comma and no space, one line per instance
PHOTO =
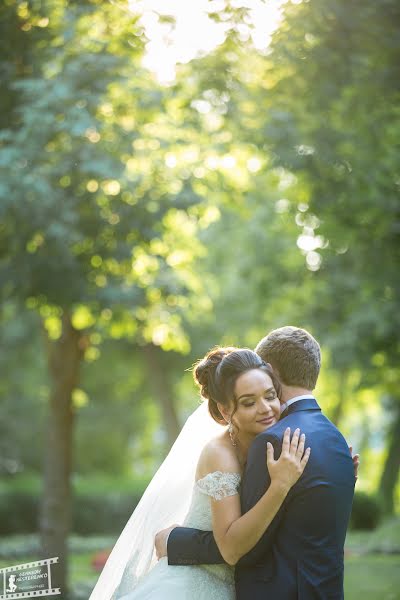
267,421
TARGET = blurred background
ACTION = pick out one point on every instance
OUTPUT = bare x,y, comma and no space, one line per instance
174,176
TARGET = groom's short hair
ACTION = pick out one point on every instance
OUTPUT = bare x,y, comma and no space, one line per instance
294,353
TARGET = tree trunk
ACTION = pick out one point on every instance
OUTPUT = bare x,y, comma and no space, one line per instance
390,473
161,388
64,357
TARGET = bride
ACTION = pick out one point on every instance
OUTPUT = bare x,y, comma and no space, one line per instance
198,483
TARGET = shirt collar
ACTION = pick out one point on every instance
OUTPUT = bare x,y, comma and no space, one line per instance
295,399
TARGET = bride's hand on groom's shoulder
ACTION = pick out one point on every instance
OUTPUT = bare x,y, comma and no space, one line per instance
161,539
285,471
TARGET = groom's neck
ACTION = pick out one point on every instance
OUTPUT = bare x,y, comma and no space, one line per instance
289,392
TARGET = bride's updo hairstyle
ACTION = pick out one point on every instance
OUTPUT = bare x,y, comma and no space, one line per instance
217,372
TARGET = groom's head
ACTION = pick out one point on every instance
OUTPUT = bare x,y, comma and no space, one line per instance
294,355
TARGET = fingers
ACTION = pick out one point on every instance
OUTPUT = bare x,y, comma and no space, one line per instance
305,458
270,453
286,441
356,464
295,442
300,448
351,450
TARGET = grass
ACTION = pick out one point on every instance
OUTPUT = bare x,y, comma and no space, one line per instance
372,577
80,567
372,566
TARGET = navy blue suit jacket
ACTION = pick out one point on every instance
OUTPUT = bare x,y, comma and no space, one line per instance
300,556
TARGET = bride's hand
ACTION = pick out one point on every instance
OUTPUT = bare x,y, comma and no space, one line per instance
160,541
356,462
290,465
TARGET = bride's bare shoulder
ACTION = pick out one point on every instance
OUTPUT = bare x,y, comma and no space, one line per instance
218,455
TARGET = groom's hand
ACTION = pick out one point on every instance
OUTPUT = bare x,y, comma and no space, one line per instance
161,539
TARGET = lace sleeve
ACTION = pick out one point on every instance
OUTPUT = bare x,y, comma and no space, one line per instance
219,485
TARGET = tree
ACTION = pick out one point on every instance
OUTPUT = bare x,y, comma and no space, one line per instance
333,122
91,227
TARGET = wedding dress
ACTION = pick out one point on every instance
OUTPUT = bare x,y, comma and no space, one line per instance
189,582
132,571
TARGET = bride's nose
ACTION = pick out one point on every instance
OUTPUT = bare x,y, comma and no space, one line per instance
264,406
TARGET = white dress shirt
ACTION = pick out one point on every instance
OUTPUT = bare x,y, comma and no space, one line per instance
295,399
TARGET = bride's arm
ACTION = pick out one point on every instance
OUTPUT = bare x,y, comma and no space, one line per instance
236,534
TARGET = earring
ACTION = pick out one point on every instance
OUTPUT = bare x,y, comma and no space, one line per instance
231,433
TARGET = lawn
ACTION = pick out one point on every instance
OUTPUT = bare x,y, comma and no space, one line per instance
372,577
372,568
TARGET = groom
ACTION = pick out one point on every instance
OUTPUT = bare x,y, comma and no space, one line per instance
300,556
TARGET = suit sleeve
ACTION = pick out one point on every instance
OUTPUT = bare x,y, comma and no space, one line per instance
187,546
256,481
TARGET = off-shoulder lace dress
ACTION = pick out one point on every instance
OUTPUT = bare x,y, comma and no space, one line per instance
189,582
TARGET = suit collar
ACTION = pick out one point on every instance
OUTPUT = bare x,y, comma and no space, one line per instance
295,399
308,403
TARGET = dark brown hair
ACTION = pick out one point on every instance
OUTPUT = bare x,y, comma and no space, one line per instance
217,372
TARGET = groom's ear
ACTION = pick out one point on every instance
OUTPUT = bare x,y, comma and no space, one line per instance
270,366
275,371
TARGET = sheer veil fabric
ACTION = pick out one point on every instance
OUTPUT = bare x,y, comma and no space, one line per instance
165,502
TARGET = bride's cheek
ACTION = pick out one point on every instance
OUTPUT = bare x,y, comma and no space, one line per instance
278,410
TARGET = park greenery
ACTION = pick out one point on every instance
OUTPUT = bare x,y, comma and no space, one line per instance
142,223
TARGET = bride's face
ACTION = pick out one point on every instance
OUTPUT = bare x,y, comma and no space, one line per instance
258,406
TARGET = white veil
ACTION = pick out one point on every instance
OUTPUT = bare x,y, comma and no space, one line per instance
165,502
